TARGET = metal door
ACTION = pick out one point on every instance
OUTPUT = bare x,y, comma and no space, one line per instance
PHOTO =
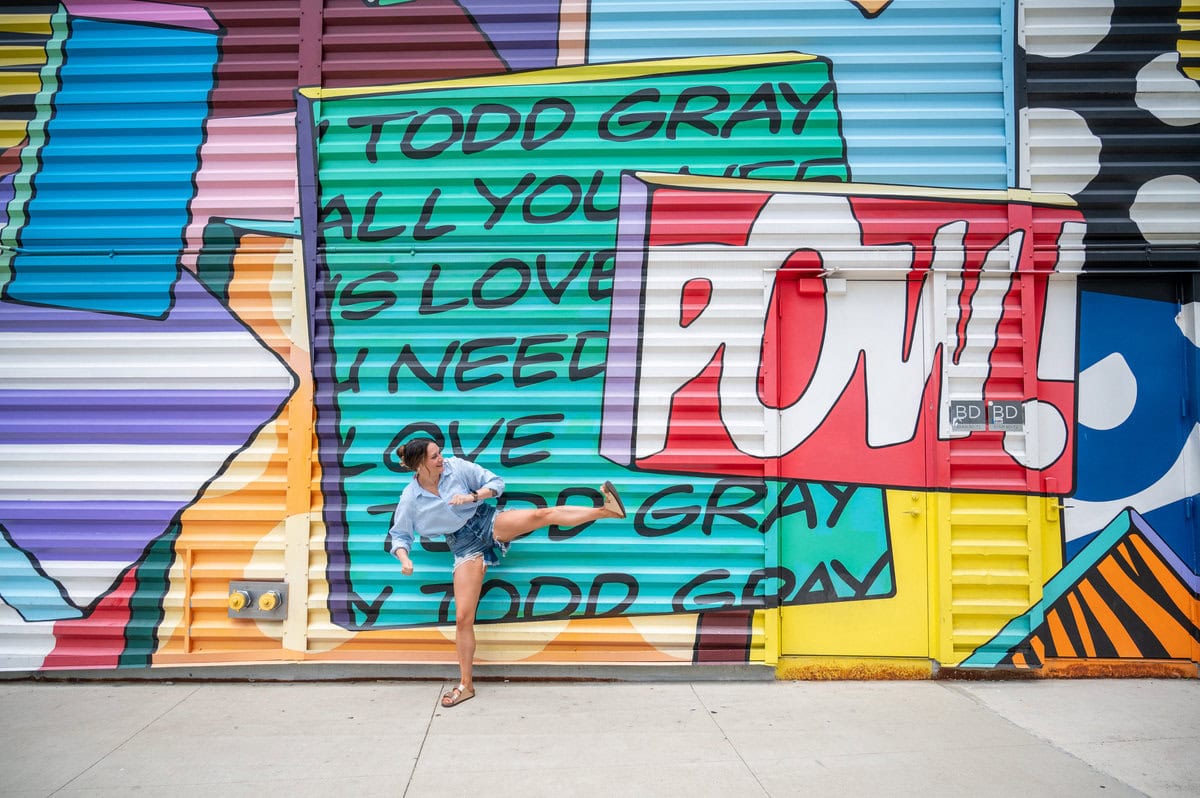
857,552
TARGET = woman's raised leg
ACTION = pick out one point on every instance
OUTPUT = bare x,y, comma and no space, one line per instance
511,524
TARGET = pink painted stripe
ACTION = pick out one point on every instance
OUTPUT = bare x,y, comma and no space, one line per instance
144,11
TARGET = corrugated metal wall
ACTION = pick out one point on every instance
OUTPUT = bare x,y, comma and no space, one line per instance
470,237
146,339
747,265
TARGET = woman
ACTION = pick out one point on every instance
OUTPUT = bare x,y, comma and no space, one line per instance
448,497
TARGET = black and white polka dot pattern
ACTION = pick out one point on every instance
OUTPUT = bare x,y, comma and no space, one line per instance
1112,117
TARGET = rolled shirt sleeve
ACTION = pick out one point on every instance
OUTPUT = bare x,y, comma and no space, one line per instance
402,530
475,477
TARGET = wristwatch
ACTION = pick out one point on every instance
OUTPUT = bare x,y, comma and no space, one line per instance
474,495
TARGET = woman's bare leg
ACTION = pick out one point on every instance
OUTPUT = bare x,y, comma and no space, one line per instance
512,524
468,581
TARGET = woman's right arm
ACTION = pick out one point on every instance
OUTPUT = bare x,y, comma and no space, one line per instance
401,533
406,566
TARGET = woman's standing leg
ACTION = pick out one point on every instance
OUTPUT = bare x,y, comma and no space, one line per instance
468,581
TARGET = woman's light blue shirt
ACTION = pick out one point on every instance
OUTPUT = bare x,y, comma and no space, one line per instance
420,512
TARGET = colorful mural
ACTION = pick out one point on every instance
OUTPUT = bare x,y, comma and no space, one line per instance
890,344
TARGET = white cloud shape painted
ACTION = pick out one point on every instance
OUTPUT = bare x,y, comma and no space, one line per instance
1063,28
1166,210
1107,393
1063,152
1167,93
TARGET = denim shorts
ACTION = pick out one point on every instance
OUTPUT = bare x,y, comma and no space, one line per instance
474,539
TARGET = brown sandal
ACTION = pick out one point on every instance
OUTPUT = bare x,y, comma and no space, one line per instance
457,695
612,500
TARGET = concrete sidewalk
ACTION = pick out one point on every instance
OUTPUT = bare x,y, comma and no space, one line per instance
703,738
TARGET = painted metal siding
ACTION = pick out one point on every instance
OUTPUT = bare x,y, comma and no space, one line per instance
365,44
470,233
146,335
1112,120
741,261
907,73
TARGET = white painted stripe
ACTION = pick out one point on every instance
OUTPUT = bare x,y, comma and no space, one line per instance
25,644
103,473
149,361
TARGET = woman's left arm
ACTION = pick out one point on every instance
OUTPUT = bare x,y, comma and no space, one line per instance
489,484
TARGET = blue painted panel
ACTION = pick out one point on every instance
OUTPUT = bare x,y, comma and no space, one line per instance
1135,462
110,197
921,87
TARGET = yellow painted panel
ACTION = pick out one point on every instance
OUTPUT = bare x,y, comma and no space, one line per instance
990,556
764,637
17,83
891,627
16,56
12,132
33,24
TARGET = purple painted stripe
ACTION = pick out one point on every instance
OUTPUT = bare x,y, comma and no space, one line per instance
141,11
93,531
624,330
306,144
525,35
1176,562
215,418
7,192
193,309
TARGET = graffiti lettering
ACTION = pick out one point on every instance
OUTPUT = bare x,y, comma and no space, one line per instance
806,505
778,587
557,209
529,138
515,437
709,601
350,297
427,306
448,129
620,123
336,215
727,498
513,358
472,143
876,356
430,133
557,597
511,606
451,130
370,609
364,231
520,273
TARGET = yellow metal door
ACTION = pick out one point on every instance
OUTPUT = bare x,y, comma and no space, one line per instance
885,627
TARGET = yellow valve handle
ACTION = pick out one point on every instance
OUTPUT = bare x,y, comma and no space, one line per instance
238,600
